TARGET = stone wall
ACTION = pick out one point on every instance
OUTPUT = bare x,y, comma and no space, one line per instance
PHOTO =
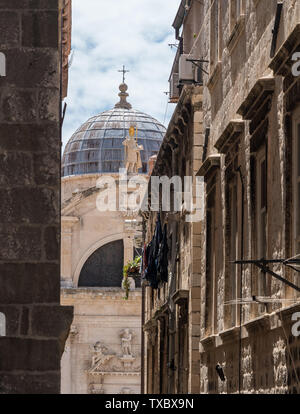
101,315
172,312
249,107
36,325
255,352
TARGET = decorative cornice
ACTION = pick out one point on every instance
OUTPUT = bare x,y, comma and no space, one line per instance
215,76
281,63
69,221
230,334
207,343
262,322
180,296
115,373
211,162
236,33
260,91
287,312
228,137
162,312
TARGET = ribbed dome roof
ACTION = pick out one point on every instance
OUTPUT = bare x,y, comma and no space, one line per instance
96,147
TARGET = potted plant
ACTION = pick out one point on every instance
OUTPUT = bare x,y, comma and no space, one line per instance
131,270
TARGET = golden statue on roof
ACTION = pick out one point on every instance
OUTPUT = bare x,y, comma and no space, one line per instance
132,161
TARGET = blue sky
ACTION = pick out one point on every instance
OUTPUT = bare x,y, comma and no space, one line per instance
107,34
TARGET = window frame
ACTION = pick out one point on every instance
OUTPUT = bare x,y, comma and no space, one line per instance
236,11
261,157
296,182
215,38
234,246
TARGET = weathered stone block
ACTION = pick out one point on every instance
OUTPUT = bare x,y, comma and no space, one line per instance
48,100
39,206
198,128
48,383
9,29
47,168
39,68
29,4
18,106
30,137
40,29
29,283
15,170
51,321
51,242
199,139
20,243
24,328
196,293
196,305
29,354
12,315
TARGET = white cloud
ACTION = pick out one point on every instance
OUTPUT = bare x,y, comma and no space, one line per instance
107,34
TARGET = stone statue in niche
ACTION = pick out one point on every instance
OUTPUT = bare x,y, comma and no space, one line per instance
100,356
133,161
126,342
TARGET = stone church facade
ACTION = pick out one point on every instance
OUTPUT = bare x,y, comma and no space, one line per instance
103,350
236,126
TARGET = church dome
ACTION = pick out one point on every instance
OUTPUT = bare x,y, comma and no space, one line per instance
97,146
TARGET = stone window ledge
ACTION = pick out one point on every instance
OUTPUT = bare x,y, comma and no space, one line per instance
214,76
287,312
180,296
234,129
281,63
211,162
207,343
262,322
230,334
236,33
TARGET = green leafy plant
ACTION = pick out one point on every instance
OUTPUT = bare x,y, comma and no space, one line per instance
131,269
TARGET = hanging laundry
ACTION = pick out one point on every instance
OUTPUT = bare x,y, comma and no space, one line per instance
162,259
151,271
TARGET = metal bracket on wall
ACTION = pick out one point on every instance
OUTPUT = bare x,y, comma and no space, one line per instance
262,264
197,62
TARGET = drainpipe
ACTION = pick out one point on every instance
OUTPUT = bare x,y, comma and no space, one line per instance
241,276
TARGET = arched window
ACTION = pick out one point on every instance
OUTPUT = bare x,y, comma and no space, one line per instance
104,268
2,324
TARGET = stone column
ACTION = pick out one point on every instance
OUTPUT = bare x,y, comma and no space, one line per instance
128,247
30,149
67,225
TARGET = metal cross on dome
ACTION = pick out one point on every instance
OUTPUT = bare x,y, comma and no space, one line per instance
124,71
